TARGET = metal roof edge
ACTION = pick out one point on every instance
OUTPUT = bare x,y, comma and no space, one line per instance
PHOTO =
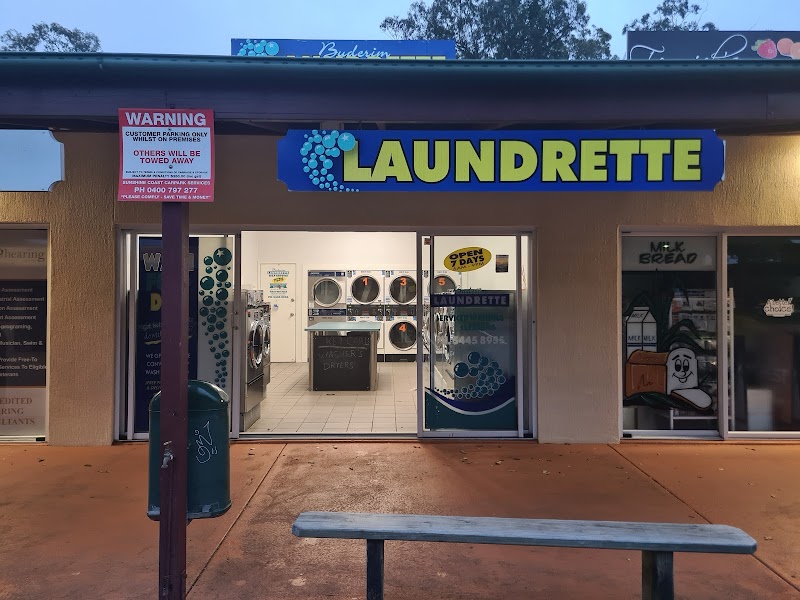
82,60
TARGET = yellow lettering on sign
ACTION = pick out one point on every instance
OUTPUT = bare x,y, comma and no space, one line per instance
155,301
468,160
686,160
655,151
557,159
441,160
509,151
391,162
594,160
351,171
624,150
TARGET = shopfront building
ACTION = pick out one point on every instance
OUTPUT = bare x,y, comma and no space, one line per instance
650,312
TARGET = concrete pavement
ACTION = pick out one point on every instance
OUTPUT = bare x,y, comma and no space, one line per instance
73,519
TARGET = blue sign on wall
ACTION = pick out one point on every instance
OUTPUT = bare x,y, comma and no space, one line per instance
507,161
360,49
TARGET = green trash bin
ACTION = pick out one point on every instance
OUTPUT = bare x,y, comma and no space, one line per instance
209,472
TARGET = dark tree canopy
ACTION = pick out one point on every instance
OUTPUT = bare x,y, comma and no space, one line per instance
671,15
49,37
554,29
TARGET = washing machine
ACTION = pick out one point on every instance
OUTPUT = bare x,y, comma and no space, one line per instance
327,296
267,333
255,372
443,282
365,298
400,315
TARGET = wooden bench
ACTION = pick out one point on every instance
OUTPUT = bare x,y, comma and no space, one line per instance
657,541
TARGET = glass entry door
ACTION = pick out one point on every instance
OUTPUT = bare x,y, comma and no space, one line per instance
212,335
473,306
763,286
669,335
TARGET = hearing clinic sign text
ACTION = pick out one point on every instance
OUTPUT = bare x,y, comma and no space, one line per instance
509,161
166,155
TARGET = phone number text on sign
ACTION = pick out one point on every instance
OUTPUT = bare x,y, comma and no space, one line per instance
166,155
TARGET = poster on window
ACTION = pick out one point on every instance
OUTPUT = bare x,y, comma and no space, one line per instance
475,384
23,333
210,317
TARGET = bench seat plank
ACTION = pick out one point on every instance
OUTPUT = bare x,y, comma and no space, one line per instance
620,535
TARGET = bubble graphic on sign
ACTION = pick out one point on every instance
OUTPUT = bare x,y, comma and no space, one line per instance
206,283
321,147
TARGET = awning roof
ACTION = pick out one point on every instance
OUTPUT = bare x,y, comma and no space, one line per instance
258,95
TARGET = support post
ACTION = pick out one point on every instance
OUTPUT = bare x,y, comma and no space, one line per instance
374,569
174,400
657,576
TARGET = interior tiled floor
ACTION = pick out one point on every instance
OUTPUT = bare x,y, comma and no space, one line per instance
291,408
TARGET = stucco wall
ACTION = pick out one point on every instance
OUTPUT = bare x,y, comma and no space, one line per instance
577,242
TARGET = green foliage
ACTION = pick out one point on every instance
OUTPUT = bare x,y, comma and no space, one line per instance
500,29
49,37
671,15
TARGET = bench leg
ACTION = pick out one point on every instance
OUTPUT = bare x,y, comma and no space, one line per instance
657,576
374,569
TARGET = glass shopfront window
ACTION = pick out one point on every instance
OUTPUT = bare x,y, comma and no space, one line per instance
23,333
473,334
763,280
669,334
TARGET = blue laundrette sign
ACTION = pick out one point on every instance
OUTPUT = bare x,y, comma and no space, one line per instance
508,161
363,49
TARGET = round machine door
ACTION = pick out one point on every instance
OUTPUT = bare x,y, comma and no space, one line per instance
403,335
442,284
265,352
255,345
365,289
403,289
327,292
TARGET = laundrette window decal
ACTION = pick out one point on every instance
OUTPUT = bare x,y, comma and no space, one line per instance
513,161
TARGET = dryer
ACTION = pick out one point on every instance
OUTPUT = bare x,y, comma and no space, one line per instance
365,297
400,287
327,296
400,325
400,334
442,327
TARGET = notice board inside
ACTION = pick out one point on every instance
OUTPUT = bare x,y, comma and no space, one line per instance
341,362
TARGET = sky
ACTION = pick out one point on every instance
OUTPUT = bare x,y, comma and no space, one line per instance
206,27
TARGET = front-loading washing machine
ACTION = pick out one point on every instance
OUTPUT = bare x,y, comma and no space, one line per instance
265,323
327,296
365,298
400,325
255,374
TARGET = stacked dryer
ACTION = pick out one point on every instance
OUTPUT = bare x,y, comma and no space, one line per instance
443,327
365,298
400,325
327,296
